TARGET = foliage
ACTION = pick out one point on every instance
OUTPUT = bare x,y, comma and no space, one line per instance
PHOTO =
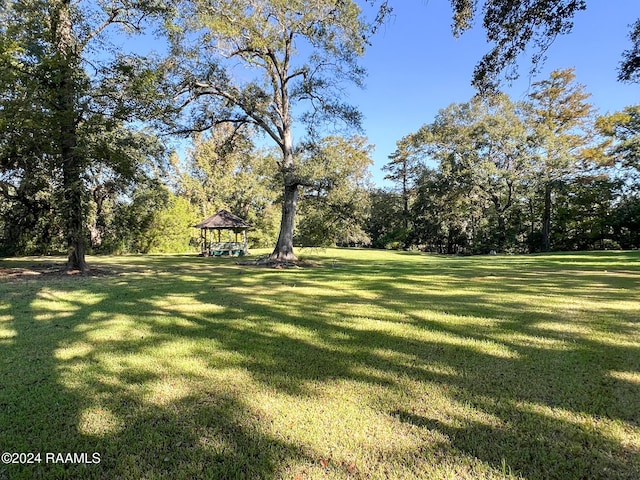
335,201
489,174
154,220
562,134
482,157
385,222
585,213
625,222
403,170
630,65
482,150
171,229
445,214
511,26
622,133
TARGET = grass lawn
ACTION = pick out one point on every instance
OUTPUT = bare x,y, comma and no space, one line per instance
371,364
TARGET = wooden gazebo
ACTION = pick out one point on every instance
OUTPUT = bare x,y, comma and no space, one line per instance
216,245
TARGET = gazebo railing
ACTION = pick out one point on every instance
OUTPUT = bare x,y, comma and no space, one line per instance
228,248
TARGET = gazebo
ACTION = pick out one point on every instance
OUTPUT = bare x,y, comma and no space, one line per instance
215,244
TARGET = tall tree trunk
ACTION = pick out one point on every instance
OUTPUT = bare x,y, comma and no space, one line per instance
546,218
405,197
72,211
502,222
532,225
283,251
502,232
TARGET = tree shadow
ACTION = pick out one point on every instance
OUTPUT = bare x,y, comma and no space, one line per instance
141,368
60,394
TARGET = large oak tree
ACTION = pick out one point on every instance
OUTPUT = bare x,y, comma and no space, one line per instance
273,64
64,104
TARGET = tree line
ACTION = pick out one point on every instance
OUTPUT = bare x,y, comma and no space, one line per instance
86,129
547,173
536,175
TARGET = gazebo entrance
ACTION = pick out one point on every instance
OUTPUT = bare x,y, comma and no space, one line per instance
212,240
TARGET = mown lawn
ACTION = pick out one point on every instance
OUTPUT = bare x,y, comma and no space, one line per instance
370,364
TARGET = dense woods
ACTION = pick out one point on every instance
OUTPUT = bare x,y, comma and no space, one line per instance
106,151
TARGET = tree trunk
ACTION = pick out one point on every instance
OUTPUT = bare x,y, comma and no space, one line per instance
72,208
283,252
546,218
502,222
405,197
502,232
97,229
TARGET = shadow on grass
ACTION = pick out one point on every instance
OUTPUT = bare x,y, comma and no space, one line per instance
79,402
141,367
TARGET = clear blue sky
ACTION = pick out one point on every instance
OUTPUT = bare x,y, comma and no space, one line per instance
416,67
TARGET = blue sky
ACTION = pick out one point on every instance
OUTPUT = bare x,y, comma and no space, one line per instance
416,67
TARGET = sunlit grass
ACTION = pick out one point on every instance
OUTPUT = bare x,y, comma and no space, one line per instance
371,364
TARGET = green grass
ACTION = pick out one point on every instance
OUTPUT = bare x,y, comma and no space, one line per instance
372,364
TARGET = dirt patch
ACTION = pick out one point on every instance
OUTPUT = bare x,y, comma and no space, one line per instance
46,271
279,265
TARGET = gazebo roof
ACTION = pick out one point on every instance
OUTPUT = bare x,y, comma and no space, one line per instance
223,220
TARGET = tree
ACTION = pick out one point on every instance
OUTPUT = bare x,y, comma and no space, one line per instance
561,121
493,155
384,226
255,61
481,148
47,55
403,169
446,216
626,221
585,211
26,145
501,168
622,136
121,159
336,201
630,65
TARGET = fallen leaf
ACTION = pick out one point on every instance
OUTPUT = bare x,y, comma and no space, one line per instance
352,468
